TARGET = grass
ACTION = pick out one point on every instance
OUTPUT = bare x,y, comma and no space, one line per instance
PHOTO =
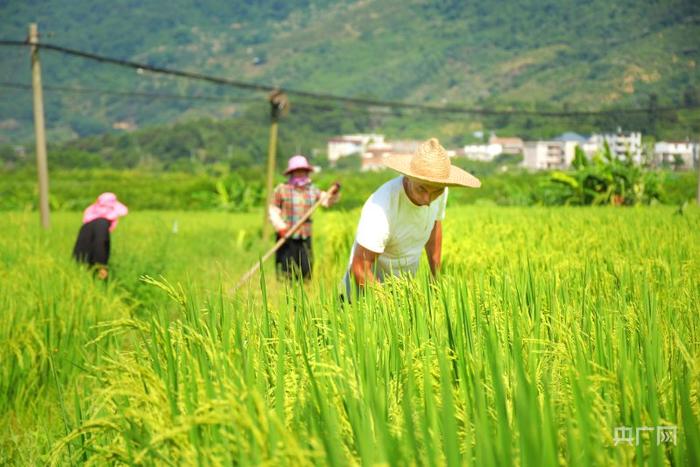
548,329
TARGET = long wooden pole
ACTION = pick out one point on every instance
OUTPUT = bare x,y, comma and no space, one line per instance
334,189
697,161
39,129
278,104
271,156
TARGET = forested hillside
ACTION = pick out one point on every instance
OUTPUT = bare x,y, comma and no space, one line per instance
508,53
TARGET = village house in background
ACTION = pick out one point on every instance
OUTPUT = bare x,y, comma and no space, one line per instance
559,152
555,154
482,152
681,155
511,145
348,145
621,144
543,155
495,147
370,148
373,157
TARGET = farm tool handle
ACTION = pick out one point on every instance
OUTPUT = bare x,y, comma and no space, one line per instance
333,189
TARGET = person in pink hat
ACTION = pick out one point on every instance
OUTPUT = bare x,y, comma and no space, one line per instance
290,201
93,243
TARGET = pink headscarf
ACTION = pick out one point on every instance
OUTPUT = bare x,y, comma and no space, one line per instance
296,163
106,207
299,182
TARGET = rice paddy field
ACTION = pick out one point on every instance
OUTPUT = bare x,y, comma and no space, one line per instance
554,336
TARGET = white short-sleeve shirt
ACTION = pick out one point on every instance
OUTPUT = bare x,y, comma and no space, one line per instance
397,229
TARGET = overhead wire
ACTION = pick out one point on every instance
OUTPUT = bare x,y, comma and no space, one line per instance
344,99
146,95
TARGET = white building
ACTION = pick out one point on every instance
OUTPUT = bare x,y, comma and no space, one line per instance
373,157
404,146
590,148
669,152
571,140
621,144
511,145
482,152
347,145
543,155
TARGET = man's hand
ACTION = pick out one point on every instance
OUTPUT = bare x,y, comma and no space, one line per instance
362,266
102,273
433,248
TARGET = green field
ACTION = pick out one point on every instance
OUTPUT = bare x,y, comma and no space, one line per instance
549,329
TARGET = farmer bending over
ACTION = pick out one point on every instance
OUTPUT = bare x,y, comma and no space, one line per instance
404,217
291,200
99,219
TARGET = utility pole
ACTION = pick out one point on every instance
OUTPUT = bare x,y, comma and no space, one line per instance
697,163
41,164
278,104
653,113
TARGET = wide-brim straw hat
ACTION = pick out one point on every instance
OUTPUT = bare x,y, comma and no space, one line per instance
430,163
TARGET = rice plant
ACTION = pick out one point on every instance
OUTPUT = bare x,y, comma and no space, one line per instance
548,330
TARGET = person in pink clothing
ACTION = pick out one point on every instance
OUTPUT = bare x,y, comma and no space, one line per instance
93,243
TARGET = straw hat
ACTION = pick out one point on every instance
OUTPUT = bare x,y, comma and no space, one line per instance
430,163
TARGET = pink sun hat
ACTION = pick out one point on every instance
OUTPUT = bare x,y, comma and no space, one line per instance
106,207
298,162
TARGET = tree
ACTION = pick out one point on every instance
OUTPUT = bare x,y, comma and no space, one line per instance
691,96
606,179
678,162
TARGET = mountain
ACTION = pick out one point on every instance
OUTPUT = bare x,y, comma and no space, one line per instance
526,54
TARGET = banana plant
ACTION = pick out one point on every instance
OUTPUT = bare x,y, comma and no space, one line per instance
606,179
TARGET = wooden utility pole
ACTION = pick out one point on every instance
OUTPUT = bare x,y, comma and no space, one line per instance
697,162
41,164
278,104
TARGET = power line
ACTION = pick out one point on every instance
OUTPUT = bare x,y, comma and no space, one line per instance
343,99
144,67
167,96
147,95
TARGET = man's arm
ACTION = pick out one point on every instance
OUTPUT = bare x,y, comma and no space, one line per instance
433,248
362,267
